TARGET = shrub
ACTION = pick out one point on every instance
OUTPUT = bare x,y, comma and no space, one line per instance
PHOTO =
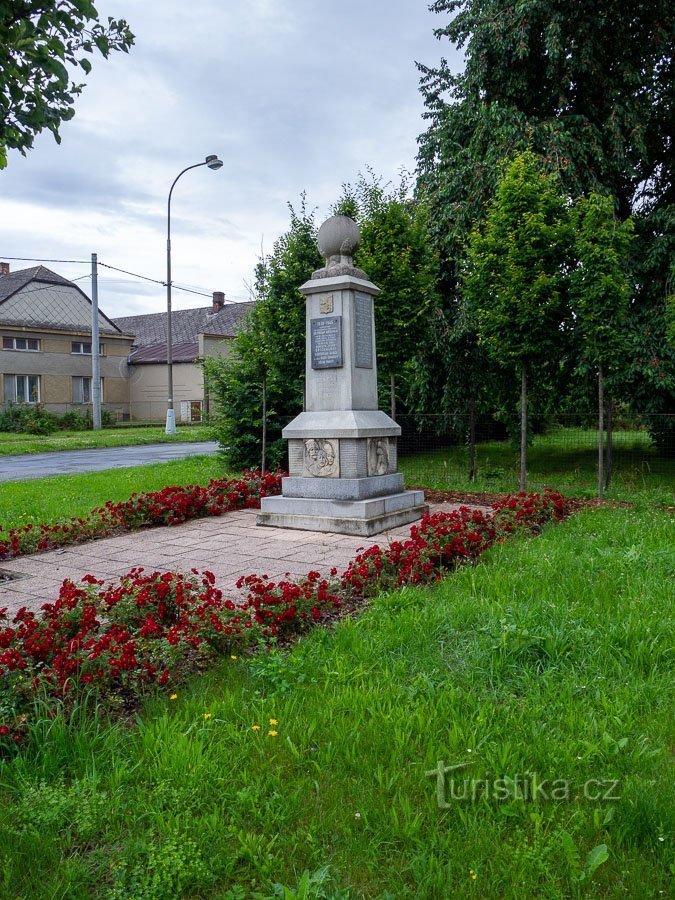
152,630
29,418
170,506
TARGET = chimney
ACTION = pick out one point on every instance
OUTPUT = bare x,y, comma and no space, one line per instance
218,301
4,268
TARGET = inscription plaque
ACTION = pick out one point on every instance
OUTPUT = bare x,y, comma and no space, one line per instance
363,331
326,342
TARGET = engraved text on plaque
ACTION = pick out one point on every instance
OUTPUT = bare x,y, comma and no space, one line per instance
326,342
363,331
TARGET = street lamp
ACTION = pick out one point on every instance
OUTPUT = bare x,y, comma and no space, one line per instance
214,163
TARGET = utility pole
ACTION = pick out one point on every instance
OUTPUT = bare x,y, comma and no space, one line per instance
95,347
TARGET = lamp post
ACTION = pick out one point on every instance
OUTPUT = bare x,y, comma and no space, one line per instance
213,163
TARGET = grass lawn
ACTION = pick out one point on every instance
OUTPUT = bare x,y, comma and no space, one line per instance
130,436
565,459
48,500
548,660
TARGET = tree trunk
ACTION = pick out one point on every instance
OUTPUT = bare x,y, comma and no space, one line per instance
609,425
472,440
392,392
523,428
263,464
601,432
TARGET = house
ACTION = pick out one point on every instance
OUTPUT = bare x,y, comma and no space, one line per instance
45,336
45,344
196,333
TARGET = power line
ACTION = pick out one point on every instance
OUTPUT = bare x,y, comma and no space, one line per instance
80,262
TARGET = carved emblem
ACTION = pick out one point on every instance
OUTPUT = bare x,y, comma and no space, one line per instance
326,304
321,459
378,456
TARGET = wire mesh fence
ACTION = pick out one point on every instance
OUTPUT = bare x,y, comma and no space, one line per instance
638,454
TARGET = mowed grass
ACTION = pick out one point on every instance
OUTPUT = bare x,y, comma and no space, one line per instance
550,658
565,459
130,436
48,500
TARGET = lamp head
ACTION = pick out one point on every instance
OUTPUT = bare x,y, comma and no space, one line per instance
213,162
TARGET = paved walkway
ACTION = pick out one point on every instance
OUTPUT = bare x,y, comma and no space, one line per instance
229,546
67,462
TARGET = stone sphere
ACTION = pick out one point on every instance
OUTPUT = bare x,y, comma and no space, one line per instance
338,236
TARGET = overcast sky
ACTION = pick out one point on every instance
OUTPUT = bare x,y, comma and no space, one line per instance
292,95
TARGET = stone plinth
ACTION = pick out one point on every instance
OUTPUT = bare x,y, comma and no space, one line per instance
342,448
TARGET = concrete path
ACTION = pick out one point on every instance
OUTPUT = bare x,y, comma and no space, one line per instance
67,462
229,546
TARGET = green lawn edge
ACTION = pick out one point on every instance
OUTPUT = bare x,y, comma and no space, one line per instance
551,656
129,436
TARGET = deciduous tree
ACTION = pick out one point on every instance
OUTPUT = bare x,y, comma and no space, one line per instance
600,291
43,44
514,281
268,355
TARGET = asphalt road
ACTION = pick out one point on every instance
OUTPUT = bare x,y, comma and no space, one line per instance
67,462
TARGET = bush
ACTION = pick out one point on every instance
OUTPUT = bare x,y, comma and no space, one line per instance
170,506
119,640
29,418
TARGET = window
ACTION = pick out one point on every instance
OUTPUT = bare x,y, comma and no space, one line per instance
22,388
84,347
20,343
82,389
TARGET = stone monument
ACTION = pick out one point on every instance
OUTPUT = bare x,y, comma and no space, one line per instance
342,448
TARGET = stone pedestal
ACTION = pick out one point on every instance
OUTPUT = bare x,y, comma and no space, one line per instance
342,449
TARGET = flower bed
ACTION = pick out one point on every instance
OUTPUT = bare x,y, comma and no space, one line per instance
119,640
170,506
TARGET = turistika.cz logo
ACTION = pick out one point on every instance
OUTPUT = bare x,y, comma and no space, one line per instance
453,786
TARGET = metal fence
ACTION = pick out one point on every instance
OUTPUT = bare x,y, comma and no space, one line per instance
639,453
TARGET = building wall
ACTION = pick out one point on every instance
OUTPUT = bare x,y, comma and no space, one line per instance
148,390
210,345
56,365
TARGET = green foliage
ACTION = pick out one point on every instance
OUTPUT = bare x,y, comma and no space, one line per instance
600,286
396,255
270,349
55,499
32,418
552,657
39,42
546,75
514,282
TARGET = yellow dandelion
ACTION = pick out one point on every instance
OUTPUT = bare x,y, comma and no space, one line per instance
255,727
173,697
273,722
273,733
233,657
208,715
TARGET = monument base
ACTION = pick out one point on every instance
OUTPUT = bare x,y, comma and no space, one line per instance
362,518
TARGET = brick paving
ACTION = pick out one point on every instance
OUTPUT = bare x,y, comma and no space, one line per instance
229,546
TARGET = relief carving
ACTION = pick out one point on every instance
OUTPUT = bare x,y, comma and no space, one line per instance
378,456
322,458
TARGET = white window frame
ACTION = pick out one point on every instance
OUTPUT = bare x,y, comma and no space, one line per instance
13,381
16,340
82,351
82,379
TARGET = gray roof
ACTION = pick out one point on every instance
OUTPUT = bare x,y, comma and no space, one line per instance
149,330
15,281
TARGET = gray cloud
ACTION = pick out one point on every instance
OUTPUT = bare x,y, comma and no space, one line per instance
293,96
